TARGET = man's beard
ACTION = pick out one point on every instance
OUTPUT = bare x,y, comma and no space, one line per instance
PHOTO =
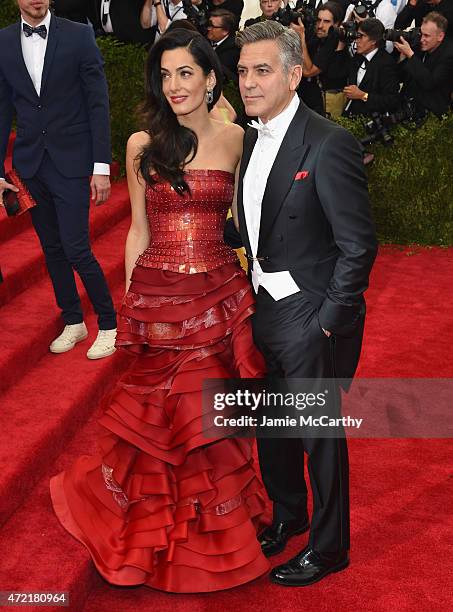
37,13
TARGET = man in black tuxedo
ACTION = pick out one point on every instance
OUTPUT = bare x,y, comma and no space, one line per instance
427,73
222,27
52,78
304,219
373,79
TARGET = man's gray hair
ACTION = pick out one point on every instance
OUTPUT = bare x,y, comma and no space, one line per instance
287,40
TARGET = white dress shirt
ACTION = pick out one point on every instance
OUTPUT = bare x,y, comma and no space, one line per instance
216,44
105,10
34,52
362,68
270,137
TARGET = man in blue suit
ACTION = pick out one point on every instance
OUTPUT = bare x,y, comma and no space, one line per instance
52,78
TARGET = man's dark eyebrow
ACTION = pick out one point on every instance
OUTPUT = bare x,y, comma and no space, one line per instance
264,65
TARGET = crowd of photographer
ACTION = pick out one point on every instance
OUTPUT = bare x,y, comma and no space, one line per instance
357,61
357,58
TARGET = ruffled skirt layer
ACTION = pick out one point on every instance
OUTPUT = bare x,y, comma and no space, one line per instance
162,504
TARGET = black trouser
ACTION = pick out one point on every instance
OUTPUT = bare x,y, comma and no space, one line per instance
61,222
288,334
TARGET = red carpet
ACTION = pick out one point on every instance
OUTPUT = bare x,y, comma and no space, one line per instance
400,489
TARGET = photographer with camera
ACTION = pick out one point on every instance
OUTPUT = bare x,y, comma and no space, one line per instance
159,14
319,45
427,71
374,83
334,78
418,9
268,8
384,10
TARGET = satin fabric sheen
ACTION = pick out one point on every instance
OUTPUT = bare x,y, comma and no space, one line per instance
160,504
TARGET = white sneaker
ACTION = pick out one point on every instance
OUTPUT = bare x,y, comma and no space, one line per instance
69,338
104,345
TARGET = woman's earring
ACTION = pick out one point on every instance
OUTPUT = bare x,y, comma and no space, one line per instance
209,96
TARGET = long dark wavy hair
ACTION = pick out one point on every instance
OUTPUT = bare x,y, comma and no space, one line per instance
172,145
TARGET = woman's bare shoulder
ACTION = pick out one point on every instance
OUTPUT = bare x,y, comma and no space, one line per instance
138,140
232,135
233,131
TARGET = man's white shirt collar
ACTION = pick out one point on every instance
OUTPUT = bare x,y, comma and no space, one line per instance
278,126
369,56
217,43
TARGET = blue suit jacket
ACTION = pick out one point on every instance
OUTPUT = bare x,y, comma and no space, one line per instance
70,119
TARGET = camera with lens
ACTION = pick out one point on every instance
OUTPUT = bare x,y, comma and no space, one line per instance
364,9
378,127
412,37
286,16
377,130
197,16
347,32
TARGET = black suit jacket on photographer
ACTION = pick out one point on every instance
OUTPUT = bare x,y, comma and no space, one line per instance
427,77
322,54
380,81
411,13
234,6
228,54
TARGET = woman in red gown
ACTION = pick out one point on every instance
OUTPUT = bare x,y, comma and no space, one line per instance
161,504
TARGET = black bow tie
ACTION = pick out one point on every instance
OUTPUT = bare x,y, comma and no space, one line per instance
364,62
40,30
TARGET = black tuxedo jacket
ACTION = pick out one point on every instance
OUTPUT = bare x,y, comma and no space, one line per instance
430,81
380,82
228,54
319,227
70,117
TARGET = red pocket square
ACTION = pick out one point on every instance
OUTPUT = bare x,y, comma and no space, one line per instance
300,176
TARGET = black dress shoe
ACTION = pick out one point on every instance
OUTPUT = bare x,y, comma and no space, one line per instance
308,567
274,538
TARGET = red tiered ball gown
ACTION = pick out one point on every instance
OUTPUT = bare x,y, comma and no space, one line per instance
160,505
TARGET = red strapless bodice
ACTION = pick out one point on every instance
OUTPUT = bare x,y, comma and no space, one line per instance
187,232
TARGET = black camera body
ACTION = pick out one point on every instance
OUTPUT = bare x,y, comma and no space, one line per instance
413,37
365,8
347,32
378,127
286,16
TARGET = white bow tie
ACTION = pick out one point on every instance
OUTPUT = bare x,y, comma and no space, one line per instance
261,128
